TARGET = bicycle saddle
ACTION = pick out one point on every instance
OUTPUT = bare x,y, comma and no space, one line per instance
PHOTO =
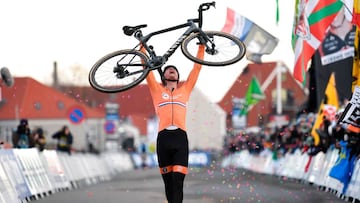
129,30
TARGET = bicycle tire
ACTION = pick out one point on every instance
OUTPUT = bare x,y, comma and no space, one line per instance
229,49
104,78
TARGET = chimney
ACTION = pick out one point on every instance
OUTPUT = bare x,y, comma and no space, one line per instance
55,76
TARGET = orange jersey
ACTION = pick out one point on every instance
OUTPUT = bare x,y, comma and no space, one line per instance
170,105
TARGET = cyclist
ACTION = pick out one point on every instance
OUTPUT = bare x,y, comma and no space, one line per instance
170,101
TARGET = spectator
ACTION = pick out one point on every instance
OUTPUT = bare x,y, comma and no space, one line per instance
143,154
22,135
39,139
324,126
232,147
91,145
2,145
337,134
65,140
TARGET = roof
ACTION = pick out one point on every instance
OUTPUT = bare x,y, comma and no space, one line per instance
136,100
262,72
240,85
28,98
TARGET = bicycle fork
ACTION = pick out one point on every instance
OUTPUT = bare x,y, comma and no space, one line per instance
208,42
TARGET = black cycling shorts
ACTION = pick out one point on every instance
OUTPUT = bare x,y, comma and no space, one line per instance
173,151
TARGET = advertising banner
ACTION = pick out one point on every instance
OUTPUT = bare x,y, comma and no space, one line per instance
14,173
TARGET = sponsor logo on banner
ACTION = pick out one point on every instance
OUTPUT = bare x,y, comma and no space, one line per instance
351,114
13,171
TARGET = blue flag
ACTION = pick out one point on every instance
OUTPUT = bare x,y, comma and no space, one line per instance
344,166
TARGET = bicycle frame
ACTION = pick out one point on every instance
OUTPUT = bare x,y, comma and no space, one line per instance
125,68
156,61
159,61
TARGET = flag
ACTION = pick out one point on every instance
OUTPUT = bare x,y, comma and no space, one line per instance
253,95
237,25
330,103
356,65
277,12
343,167
356,13
356,61
351,113
257,40
312,19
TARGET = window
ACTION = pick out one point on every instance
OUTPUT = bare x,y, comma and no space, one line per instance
37,105
60,105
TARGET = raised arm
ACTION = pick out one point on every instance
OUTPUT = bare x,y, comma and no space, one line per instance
194,74
150,78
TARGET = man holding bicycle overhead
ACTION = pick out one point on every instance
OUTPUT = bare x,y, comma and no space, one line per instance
170,101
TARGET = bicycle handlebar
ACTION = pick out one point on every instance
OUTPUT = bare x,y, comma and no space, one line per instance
206,6
130,30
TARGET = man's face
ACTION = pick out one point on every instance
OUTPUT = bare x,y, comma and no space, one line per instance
171,74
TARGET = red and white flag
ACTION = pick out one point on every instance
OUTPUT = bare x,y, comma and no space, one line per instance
312,20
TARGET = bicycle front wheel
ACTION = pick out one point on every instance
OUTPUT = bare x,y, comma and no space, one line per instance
118,71
226,49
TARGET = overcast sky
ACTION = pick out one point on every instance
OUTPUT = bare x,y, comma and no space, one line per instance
36,33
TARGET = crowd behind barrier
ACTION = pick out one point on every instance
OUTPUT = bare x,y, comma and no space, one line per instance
299,166
323,151
30,174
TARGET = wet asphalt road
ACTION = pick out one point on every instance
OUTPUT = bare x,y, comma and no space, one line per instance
202,185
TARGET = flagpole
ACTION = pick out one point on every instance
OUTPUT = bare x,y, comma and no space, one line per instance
278,88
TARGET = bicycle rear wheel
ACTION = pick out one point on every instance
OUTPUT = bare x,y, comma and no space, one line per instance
118,71
228,49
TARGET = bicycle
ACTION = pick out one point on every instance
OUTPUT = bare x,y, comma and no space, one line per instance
124,69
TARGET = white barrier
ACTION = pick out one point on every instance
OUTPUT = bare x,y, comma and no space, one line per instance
316,169
329,182
292,165
8,192
237,160
55,169
354,185
27,174
34,172
14,174
117,162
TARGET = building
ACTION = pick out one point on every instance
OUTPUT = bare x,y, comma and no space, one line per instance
49,109
291,95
